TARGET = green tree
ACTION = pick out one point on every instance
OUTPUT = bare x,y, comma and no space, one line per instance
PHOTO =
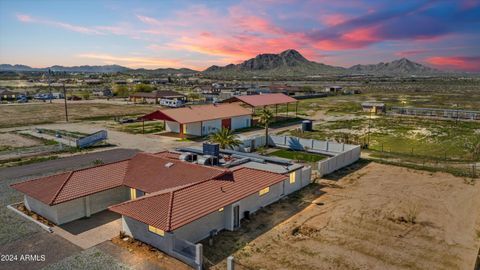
86,95
143,88
225,138
193,96
266,117
121,91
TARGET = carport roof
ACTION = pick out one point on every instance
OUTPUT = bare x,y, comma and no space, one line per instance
198,113
171,210
263,99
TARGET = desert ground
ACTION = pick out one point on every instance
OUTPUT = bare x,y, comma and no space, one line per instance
377,217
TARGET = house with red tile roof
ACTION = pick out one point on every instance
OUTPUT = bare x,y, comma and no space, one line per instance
165,200
202,120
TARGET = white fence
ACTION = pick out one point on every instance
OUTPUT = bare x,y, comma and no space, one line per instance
340,154
189,253
338,161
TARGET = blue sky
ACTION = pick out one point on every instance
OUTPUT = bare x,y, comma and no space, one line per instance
195,34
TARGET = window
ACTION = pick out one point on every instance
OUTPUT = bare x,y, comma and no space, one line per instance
264,191
292,178
156,230
133,194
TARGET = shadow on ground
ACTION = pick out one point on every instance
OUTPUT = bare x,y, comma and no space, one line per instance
85,224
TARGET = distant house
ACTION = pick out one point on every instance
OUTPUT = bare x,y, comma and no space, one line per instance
159,95
374,107
202,119
284,88
93,81
105,92
7,95
333,89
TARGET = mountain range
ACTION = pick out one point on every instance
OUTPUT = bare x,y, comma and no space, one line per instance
289,63
98,69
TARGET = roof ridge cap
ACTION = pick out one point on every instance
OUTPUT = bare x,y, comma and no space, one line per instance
61,188
169,214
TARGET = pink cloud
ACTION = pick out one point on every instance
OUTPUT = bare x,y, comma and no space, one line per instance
456,62
333,19
24,18
67,26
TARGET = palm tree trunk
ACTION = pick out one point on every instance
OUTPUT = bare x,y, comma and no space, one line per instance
266,136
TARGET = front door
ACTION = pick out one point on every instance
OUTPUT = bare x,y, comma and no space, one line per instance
227,123
236,216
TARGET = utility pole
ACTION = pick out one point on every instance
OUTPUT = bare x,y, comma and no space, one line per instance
65,101
49,86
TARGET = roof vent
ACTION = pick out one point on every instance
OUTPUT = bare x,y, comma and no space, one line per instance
169,164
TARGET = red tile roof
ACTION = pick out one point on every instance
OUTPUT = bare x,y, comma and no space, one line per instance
150,173
198,113
264,99
67,186
172,210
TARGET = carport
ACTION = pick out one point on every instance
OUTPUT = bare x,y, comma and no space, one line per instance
264,100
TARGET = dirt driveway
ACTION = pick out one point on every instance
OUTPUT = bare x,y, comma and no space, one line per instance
378,217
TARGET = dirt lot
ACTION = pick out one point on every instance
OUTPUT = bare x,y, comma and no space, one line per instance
12,140
37,113
377,217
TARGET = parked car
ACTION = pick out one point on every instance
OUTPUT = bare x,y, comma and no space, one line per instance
44,96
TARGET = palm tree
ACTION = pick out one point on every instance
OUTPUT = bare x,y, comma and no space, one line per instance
266,117
225,138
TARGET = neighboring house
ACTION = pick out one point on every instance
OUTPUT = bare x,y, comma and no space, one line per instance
102,92
159,95
333,89
284,88
7,95
374,107
202,120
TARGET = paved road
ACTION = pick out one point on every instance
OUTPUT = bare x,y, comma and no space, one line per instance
65,164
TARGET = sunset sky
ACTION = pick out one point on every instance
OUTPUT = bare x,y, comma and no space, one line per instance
194,34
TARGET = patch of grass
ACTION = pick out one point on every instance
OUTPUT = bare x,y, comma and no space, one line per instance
139,128
298,155
19,161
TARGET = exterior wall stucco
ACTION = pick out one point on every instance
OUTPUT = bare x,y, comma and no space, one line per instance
75,209
194,129
172,126
211,126
201,228
139,231
241,122
102,200
40,208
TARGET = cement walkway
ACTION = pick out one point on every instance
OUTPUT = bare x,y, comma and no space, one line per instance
89,232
